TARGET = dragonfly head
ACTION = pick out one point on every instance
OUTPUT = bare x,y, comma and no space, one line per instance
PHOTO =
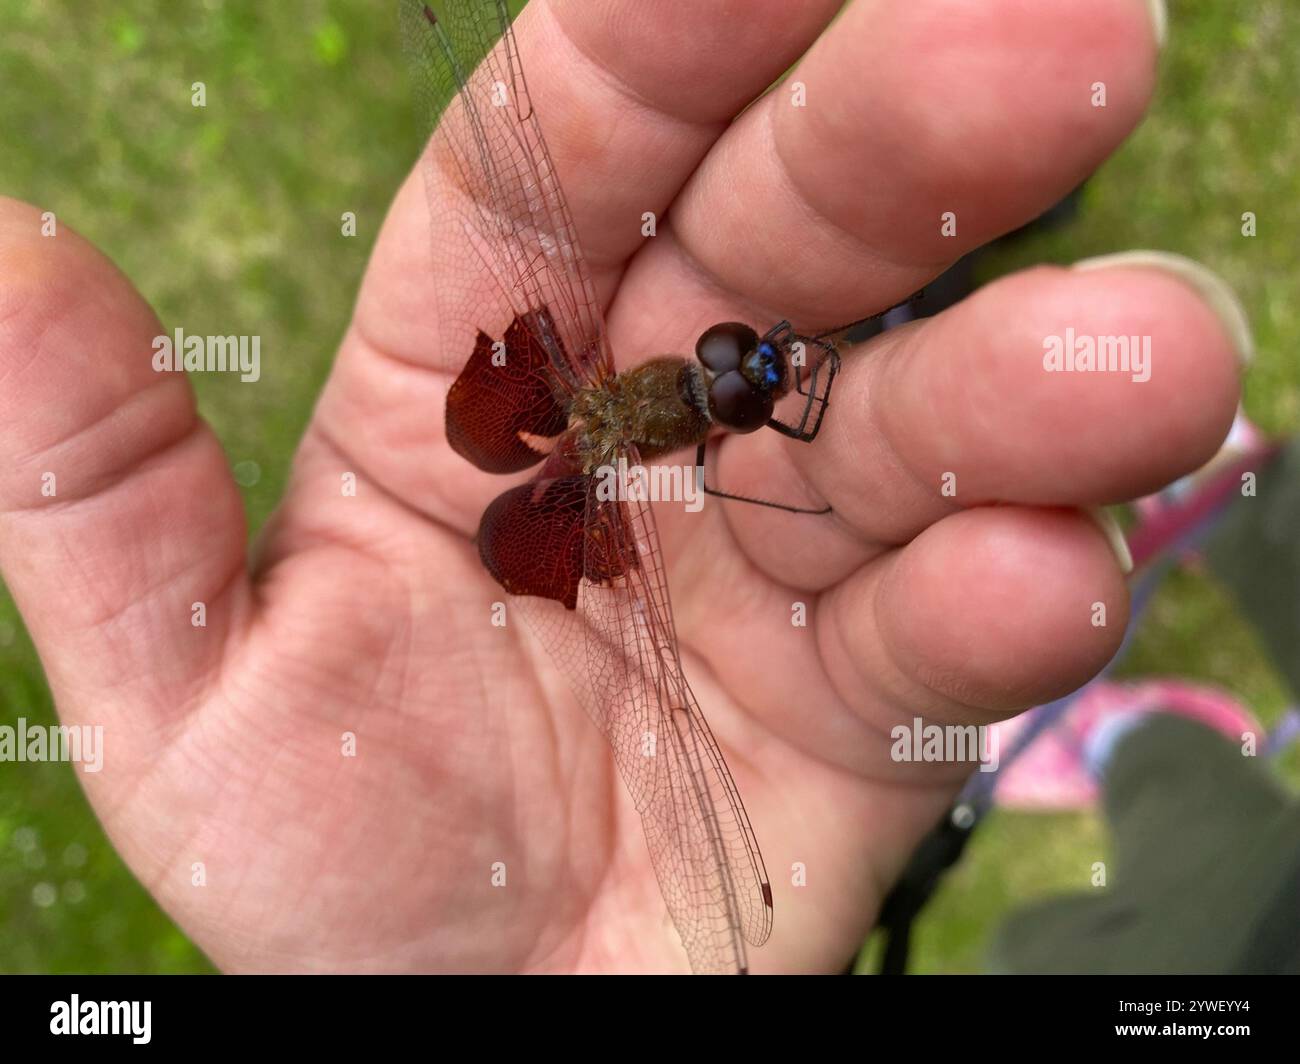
744,374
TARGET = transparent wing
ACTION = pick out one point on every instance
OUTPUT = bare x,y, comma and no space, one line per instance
618,648
701,843
504,243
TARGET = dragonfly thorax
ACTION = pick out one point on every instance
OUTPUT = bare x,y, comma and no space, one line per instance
659,406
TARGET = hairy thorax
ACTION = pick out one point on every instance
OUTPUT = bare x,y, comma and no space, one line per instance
660,406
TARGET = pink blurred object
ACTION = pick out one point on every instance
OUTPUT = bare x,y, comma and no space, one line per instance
1189,500
1052,774
1243,440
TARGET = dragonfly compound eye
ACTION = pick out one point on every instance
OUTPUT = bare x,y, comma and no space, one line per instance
736,404
722,346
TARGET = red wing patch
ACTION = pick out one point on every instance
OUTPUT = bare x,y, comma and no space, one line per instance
505,395
542,538
531,538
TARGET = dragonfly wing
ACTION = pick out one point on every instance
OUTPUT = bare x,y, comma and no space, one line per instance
610,630
701,844
505,403
504,243
531,540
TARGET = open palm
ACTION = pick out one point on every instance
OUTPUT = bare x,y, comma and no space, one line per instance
330,773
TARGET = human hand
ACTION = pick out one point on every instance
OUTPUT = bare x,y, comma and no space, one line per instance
369,614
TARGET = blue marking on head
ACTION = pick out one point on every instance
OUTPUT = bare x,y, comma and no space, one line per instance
768,356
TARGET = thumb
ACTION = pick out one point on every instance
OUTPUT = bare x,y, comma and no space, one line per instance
117,509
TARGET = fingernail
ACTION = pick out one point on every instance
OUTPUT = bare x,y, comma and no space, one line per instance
1208,285
1105,520
1159,20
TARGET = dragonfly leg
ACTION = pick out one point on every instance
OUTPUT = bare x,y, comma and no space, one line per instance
810,419
818,399
699,465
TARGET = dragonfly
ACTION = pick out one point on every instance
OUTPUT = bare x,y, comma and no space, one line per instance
517,309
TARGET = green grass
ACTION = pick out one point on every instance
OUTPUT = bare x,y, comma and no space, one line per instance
227,218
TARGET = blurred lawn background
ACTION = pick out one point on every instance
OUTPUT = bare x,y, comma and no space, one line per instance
227,218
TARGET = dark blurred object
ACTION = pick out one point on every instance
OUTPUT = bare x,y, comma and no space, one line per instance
938,852
958,281
1256,553
1206,875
